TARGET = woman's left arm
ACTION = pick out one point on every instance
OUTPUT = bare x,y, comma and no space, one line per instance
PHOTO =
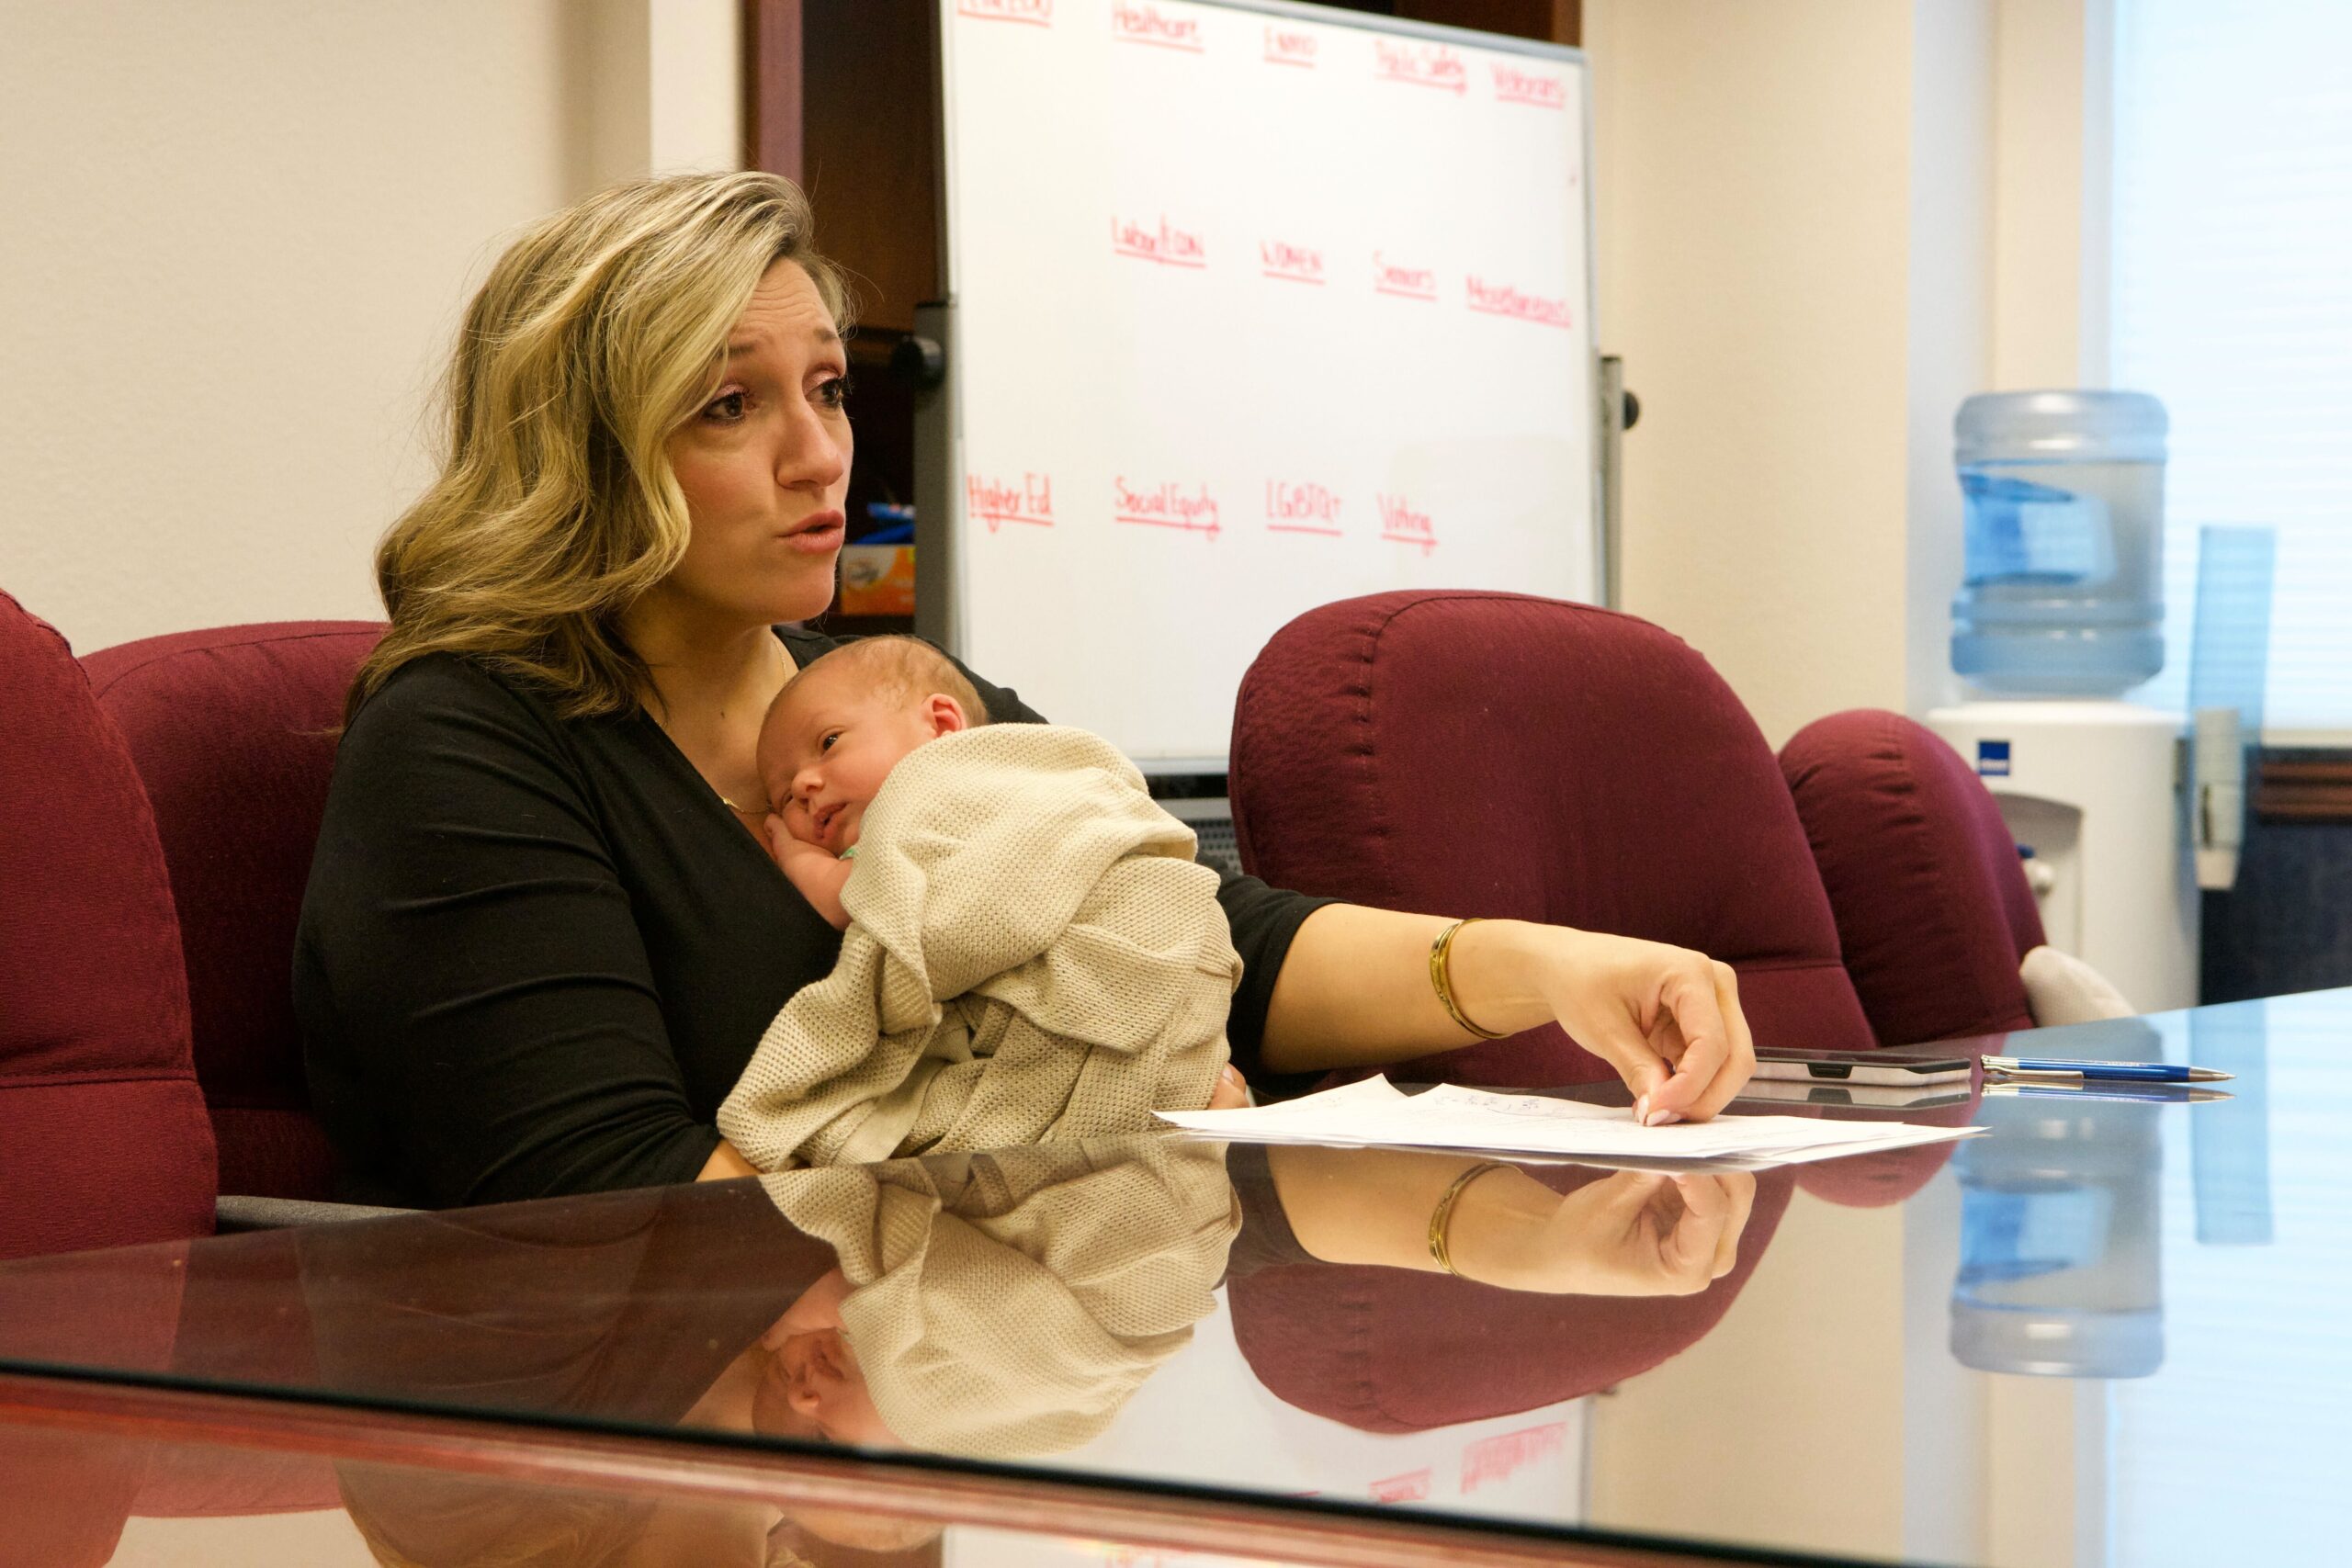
1351,988
1354,990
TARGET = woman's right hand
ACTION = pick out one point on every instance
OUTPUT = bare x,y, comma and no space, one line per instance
1667,1018
817,872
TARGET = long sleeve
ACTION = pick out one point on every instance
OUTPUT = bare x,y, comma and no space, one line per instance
482,1017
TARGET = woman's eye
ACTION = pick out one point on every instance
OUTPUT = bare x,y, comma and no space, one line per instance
833,391
727,408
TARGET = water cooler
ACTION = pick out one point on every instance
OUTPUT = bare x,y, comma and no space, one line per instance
2092,789
2061,611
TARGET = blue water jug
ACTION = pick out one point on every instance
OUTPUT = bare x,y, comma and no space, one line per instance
2063,593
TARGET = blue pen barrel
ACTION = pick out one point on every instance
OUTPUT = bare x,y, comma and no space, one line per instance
2111,1072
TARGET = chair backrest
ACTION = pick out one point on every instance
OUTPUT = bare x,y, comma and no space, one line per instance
103,1137
233,731
1497,754
1933,909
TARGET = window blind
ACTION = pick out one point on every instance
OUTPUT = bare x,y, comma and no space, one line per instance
2231,301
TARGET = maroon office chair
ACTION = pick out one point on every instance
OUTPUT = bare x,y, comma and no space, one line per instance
1933,911
234,732
231,733
103,1137
1496,754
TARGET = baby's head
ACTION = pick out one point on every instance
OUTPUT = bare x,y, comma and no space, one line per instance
842,723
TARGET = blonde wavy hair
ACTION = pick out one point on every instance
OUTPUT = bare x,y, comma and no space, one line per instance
599,331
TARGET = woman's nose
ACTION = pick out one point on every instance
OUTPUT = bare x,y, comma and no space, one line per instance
814,452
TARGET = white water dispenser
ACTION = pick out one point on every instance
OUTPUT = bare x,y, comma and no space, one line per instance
2061,612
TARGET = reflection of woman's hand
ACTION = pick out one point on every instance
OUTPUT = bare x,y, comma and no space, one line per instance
1629,1233
1643,1234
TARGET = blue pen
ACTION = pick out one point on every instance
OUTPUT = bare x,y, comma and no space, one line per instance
2037,1068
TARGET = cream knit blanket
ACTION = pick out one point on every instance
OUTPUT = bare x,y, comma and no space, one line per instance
1031,954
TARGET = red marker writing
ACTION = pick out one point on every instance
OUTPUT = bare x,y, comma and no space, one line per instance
997,502
1035,13
1296,507
1400,522
1167,504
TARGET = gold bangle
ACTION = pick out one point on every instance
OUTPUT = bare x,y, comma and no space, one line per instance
1442,1215
1442,980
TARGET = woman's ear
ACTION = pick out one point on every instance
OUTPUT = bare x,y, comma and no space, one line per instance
945,715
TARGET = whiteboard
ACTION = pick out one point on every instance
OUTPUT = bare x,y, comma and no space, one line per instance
1251,308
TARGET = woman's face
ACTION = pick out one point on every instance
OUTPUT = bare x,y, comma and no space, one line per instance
765,464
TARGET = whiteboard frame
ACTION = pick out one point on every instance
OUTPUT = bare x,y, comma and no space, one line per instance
940,613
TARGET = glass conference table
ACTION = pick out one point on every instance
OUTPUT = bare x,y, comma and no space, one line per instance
2106,1332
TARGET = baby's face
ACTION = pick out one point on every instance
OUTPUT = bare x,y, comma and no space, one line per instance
812,1386
826,748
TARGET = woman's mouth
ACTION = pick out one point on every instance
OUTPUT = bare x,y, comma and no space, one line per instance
820,533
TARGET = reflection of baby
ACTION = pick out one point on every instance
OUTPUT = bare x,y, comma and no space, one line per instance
1030,950
1004,1306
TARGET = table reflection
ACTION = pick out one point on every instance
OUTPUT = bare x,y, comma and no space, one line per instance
1838,1346
1004,1306
2059,1214
2062,1206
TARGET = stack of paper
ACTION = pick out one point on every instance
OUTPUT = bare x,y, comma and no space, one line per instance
1451,1117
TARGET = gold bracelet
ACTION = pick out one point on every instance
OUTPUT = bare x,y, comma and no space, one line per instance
1442,980
1442,1215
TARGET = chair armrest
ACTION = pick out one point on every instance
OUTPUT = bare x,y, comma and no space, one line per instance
232,1212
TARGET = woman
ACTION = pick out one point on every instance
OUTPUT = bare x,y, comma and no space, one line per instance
541,938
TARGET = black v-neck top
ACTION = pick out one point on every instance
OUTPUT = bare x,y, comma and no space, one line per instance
536,953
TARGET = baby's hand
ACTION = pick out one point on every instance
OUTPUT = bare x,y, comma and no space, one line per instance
813,869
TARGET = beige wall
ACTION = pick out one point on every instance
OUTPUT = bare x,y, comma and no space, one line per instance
1822,224
1753,208
240,233
237,237
2054,90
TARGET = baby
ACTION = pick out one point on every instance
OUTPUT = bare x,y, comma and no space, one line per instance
1031,952
832,738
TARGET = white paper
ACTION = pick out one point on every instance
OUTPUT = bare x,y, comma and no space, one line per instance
1374,1111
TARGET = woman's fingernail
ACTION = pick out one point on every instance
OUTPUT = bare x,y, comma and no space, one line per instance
1642,1112
1662,1118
